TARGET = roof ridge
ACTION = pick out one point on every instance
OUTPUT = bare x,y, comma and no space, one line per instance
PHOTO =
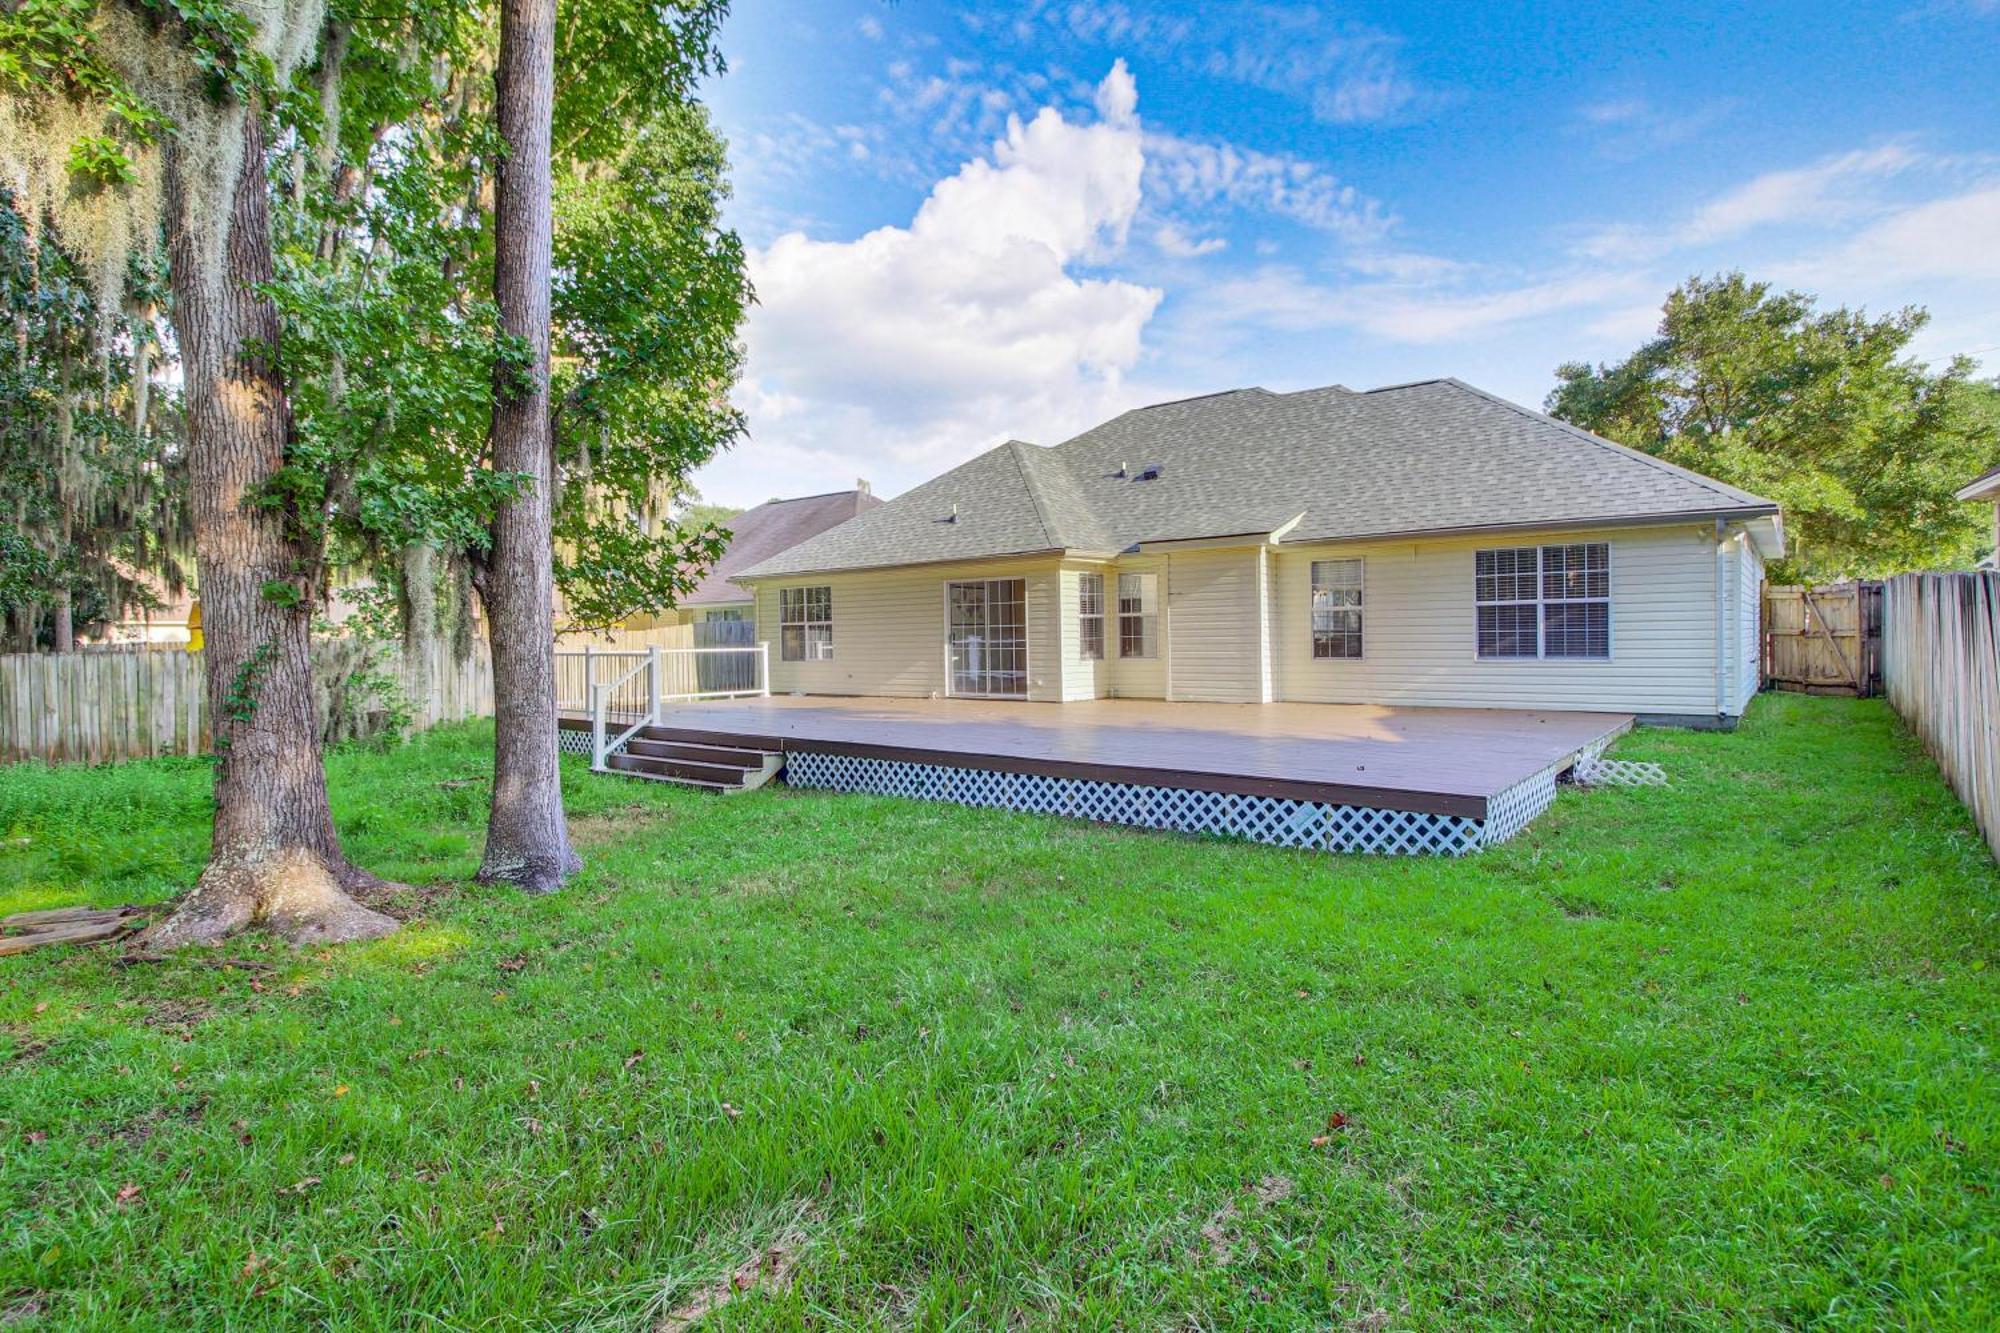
1014,448
1198,397
1723,489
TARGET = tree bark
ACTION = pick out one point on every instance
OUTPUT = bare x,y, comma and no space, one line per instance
274,860
65,623
527,840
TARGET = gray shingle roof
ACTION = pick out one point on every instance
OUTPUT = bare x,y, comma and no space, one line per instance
1429,457
771,528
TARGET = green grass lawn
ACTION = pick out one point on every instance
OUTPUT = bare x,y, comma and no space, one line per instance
1720,1054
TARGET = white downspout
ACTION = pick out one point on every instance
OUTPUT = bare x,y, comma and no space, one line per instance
1721,625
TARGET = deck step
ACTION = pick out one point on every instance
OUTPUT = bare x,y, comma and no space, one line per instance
705,768
700,754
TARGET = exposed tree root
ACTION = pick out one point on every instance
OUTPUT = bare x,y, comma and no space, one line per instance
290,893
530,874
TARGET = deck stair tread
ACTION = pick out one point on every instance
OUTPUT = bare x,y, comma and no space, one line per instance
725,770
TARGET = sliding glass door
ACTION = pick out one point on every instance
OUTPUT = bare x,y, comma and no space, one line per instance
986,638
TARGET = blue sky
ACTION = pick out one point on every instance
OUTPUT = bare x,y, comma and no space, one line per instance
970,222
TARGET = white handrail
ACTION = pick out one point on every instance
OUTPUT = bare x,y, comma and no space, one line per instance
599,693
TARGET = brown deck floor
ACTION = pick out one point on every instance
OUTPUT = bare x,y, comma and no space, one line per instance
1441,760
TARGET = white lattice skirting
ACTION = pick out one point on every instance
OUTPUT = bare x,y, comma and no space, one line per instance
1267,819
571,740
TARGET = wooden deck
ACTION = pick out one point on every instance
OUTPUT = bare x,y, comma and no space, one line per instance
1445,761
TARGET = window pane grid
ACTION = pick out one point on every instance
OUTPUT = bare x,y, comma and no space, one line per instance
805,624
1336,608
1544,601
987,636
1090,617
1137,614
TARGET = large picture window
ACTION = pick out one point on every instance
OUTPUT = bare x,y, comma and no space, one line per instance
1544,601
1138,615
805,624
1336,608
1090,617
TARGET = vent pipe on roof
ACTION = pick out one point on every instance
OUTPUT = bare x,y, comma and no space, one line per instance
861,484
1121,469
953,516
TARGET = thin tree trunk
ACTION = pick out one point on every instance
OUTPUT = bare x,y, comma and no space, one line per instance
274,859
527,841
65,623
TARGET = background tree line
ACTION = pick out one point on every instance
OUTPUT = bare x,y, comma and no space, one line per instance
303,288
1823,411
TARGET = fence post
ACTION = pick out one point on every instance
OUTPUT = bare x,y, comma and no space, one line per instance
653,678
764,668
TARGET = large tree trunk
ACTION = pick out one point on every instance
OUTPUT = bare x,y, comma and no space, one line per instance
274,860
65,622
527,842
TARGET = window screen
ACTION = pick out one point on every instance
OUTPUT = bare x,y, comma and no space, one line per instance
805,624
1336,608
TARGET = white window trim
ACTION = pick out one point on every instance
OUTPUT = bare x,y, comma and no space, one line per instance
805,638
1541,656
1103,644
1312,583
1142,614
1027,637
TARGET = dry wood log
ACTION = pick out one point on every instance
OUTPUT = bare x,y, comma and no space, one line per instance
57,916
88,933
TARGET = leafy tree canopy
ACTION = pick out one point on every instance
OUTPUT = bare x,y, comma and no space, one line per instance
1822,411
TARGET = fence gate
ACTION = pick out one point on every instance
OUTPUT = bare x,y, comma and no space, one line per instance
1825,640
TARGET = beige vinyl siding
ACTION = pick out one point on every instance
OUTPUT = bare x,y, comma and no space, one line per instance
1138,677
1419,620
889,630
1083,678
1214,601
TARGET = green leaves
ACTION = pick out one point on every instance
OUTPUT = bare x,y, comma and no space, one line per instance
1821,411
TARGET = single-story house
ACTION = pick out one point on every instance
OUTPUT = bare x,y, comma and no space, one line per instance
1986,487
755,535
1418,544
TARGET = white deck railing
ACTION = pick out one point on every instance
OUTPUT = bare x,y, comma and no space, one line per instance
624,690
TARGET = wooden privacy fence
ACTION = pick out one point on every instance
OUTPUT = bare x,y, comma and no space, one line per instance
1941,671
97,706
1824,640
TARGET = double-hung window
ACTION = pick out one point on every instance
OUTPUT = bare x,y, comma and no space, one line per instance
1336,608
1090,617
1544,601
1138,615
805,624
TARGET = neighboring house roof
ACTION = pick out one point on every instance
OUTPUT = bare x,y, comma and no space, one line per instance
1430,457
771,528
1985,486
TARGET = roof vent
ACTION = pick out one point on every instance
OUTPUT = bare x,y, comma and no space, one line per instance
952,517
1148,472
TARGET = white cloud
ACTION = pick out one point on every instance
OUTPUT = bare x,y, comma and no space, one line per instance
1957,237
1175,243
1421,312
1824,191
869,27
1344,71
1629,126
918,345
1203,174
1833,191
